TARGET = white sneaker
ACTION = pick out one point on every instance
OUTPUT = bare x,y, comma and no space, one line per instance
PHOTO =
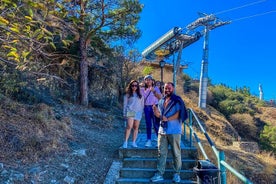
134,145
148,143
157,177
176,178
125,144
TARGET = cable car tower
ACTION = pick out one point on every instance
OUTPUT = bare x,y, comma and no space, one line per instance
176,39
168,44
209,22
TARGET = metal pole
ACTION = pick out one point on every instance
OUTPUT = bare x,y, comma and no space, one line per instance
161,75
222,168
204,72
176,64
174,72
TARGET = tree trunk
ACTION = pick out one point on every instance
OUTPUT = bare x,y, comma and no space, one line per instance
83,71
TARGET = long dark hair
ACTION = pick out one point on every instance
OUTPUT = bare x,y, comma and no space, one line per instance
129,91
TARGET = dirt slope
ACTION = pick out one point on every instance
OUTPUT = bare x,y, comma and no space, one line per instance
41,144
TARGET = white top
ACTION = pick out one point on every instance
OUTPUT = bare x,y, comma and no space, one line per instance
133,103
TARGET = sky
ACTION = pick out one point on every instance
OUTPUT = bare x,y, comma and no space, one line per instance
241,54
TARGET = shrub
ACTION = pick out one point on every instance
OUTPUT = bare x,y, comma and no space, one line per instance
268,138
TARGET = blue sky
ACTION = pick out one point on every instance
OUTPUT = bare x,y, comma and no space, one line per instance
242,53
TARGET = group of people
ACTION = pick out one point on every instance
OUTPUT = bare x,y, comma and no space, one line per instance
164,111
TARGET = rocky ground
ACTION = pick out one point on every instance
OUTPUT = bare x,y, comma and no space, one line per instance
92,146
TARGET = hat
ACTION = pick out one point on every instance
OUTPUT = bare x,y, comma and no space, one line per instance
148,77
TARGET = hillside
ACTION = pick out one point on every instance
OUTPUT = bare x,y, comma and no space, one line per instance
239,140
66,143
58,145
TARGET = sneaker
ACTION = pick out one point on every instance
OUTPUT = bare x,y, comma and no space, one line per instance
125,144
157,177
176,178
148,143
134,145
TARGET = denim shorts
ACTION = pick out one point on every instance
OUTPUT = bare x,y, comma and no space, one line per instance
138,116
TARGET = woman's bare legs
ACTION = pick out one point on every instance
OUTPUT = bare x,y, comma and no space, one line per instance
130,122
135,130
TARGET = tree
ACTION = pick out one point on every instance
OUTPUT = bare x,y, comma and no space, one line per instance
36,34
104,22
147,70
33,43
30,33
127,61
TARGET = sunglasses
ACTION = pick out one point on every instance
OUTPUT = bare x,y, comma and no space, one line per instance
133,85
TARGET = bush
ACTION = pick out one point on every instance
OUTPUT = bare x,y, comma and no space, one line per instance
147,70
268,138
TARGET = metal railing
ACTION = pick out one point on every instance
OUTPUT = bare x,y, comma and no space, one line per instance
222,164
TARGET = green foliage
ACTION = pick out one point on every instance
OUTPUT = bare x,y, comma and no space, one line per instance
10,82
230,102
228,107
219,94
147,70
245,91
28,31
43,37
187,82
268,138
238,106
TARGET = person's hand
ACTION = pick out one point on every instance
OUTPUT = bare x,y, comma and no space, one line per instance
155,111
152,89
164,118
154,108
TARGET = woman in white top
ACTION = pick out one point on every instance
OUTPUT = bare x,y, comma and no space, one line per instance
133,110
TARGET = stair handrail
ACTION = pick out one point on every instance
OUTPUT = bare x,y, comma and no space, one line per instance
222,164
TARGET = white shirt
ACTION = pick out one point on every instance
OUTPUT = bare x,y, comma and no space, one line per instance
133,103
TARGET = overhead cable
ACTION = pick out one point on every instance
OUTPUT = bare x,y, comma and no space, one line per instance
239,7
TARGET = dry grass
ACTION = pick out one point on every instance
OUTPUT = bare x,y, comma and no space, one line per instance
268,159
29,132
267,114
259,168
246,125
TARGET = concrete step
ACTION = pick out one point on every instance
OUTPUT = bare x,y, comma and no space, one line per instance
139,164
149,172
186,152
151,163
147,180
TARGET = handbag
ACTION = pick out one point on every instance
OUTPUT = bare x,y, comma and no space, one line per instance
130,113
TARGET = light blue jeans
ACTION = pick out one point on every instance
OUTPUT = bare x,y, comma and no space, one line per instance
163,142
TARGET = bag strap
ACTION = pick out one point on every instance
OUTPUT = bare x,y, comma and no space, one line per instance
147,96
167,110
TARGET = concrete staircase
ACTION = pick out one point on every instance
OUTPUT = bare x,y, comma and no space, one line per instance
139,164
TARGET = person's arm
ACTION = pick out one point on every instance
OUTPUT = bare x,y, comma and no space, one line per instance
125,105
156,111
156,92
173,117
142,103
